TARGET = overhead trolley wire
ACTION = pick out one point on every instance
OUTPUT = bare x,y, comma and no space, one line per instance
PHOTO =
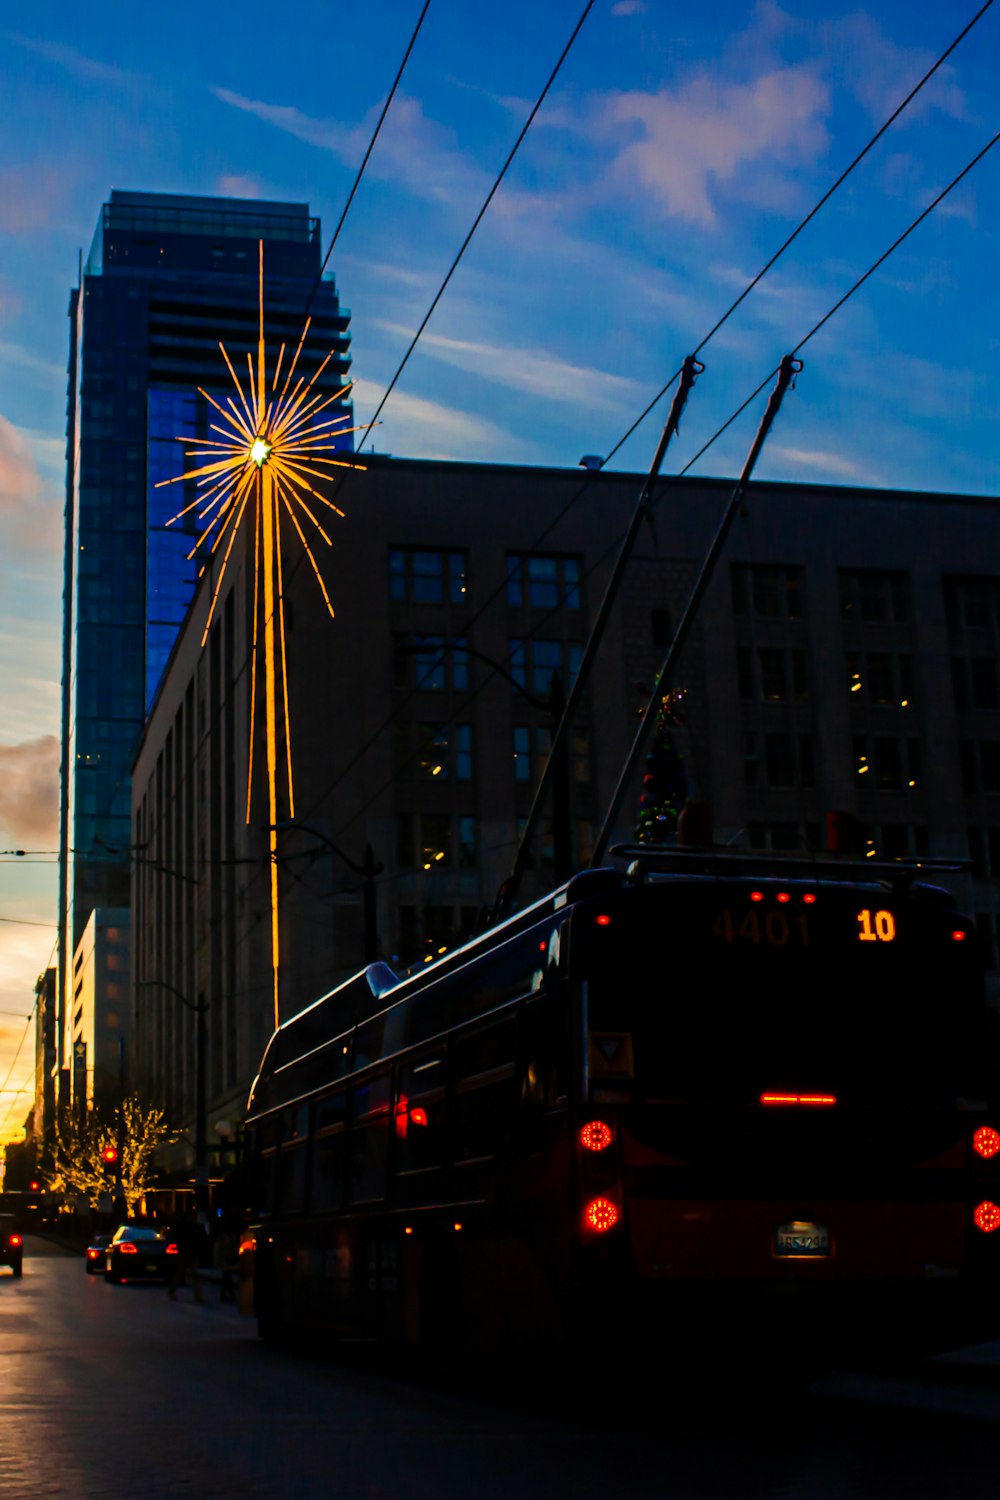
821,202
754,282
452,268
371,146
478,219
719,323
340,224
10,1070
821,322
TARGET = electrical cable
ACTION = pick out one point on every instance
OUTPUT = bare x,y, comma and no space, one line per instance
496,184
371,146
477,221
838,182
835,308
10,1070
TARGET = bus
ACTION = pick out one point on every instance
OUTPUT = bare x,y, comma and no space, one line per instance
699,1081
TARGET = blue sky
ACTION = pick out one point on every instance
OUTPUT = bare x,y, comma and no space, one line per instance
678,148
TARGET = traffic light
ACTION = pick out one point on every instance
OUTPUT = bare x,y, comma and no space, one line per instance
109,1156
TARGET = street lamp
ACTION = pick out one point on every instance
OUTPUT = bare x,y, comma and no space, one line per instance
200,1008
368,870
554,705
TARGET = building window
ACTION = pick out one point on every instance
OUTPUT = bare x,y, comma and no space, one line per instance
417,576
786,760
984,852
988,929
881,678
972,604
543,582
772,674
768,592
533,663
980,763
900,840
874,596
887,763
660,627
432,663
435,841
974,682
443,751
428,932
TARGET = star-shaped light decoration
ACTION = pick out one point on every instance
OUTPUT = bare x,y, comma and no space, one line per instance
261,464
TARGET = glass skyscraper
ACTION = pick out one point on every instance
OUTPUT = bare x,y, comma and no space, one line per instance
166,279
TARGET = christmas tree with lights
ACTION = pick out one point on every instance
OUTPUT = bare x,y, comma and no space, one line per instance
664,785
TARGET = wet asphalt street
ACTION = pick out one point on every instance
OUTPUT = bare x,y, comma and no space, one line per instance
116,1391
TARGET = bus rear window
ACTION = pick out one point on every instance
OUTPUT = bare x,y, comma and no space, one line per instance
731,991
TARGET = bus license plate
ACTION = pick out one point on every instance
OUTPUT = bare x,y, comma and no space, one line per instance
803,1239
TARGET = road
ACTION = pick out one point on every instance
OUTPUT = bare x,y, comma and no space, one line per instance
118,1391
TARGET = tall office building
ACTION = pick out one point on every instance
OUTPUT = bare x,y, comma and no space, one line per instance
166,279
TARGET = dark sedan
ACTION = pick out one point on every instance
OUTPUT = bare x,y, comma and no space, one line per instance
138,1252
95,1253
11,1244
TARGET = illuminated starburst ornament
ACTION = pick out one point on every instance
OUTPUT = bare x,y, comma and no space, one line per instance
261,463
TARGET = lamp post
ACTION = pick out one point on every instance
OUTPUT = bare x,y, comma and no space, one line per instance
368,871
554,705
200,1008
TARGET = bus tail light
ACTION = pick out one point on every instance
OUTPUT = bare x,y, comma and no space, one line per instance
986,1216
986,1142
808,1099
596,1136
601,1214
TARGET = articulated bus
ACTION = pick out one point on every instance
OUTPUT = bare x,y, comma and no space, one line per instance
697,1081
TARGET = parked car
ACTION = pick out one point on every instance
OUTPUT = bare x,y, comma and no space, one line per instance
94,1259
11,1244
139,1252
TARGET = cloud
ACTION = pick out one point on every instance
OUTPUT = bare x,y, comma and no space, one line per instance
629,8
236,186
823,467
686,141
428,429
30,198
880,74
90,68
23,359
412,150
531,371
29,792
20,482
31,512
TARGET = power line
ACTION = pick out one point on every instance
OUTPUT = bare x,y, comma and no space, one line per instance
841,301
10,1070
371,146
496,184
587,482
585,485
478,219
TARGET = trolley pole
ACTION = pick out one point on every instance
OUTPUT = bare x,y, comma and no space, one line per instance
507,894
787,370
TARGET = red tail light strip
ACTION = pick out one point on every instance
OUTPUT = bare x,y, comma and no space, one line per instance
820,1099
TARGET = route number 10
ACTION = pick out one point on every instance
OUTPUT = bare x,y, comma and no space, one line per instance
876,927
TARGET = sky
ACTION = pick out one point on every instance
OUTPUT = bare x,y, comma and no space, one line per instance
678,148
